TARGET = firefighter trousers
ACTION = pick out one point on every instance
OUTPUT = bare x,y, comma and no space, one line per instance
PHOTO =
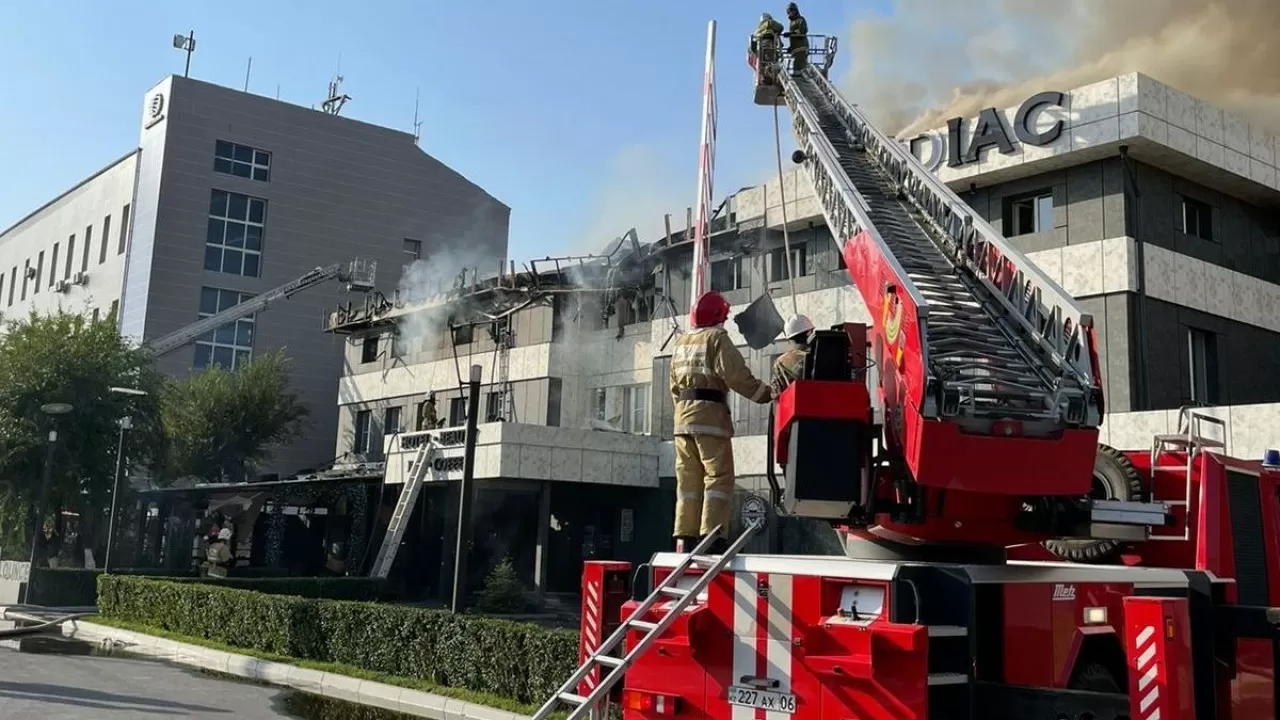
704,484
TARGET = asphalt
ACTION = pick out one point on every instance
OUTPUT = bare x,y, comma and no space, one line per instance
51,686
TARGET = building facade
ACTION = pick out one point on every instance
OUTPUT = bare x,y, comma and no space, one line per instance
1158,211
228,195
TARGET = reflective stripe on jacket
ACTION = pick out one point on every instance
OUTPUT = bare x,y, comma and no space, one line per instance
706,359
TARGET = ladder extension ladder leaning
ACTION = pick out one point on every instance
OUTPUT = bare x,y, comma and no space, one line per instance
1192,440
616,667
404,508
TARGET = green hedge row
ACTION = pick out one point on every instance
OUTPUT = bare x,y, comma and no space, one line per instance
76,587
330,588
519,661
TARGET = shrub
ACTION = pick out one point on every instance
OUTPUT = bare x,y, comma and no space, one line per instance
331,588
78,587
502,593
519,661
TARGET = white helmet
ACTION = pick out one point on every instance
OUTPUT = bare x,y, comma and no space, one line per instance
224,534
766,17
797,325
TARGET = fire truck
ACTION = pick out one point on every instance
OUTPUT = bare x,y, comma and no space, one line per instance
999,562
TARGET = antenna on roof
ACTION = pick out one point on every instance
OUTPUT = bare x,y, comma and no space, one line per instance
333,105
417,124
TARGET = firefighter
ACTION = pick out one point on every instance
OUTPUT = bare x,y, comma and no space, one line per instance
790,365
768,28
219,555
427,418
705,366
798,33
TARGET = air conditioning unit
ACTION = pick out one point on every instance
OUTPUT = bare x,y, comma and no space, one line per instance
80,278
31,273
61,286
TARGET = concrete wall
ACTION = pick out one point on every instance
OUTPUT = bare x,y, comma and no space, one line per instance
338,189
66,237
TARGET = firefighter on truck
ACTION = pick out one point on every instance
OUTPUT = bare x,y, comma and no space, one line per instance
705,366
790,365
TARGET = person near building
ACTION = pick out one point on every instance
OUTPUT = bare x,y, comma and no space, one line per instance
705,366
768,31
218,555
798,33
790,365
428,419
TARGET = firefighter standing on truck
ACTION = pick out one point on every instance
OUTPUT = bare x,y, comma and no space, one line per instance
768,28
705,366
790,365
798,33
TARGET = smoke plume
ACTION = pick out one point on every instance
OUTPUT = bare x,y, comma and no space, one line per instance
931,59
639,188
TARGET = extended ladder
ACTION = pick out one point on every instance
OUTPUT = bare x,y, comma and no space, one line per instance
404,507
666,590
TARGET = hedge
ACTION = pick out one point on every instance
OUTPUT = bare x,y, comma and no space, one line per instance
77,587
519,661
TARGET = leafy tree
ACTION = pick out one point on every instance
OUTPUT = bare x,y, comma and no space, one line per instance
64,357
502,592
221,424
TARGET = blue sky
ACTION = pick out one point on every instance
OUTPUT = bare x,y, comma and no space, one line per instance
582,116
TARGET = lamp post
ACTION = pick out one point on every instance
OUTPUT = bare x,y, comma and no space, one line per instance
463,536
126,424
52,410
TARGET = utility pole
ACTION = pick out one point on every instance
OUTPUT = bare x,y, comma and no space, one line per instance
188,43
126,424
463,535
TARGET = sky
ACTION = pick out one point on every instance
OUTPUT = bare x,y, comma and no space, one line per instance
581,116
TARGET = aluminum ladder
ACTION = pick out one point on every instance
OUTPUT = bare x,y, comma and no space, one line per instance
666,590
1191,440
404,508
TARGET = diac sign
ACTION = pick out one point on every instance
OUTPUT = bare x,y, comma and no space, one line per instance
988,132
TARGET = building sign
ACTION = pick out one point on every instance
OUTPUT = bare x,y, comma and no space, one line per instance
444,438
155,110
988,132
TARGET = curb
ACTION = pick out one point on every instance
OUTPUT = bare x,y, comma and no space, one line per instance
316,682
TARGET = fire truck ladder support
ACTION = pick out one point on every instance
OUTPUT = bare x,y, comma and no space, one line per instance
404,509
666,590
998,337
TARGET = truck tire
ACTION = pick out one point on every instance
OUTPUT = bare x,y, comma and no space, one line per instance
1114,478
1094,677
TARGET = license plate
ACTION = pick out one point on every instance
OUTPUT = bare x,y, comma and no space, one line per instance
762,699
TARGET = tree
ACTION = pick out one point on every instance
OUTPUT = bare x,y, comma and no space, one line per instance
64,357
221,424
502,594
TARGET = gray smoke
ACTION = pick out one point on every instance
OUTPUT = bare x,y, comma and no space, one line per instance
930,60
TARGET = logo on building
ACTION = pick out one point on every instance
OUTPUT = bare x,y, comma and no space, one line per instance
155,109
1064,592
990,131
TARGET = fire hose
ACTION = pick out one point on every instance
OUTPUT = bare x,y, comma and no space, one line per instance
46,619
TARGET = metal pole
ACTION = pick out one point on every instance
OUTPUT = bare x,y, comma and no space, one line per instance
191,46
126,423
41,499
463,534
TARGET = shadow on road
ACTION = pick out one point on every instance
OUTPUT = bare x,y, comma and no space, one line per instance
97,699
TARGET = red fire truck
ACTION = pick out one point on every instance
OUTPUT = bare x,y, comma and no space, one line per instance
999,562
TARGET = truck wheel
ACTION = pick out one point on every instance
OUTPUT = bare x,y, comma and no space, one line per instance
1094,677
1114,478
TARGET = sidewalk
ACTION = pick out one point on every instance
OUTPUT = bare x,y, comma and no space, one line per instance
340,687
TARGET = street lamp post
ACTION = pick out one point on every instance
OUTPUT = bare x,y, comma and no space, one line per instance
126,424
53,410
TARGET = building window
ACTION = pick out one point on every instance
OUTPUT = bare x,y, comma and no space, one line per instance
391,421
457,411
241,161
231,345
413,249
106,239
635,410
53,265
493,407
599,404
35,286
115,305
13,283
124,230
233,244
369,351
778,268
88,244
726,275
1028,214
555,396
95,314
360,439
400,345
1203,346
462,335
1197,219
71,254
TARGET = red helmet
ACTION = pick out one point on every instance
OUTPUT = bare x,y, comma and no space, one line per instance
710,309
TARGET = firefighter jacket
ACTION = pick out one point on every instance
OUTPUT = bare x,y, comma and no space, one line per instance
705,366
788,368
798,31
767,28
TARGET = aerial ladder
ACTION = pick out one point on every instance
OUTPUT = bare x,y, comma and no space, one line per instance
358,275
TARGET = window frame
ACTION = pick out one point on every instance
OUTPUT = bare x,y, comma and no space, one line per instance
368,343
457,411
1203,229
213,341
224,222
396,413
412,248
1203,380
361,437
780,270
1033,202
227,164
735,271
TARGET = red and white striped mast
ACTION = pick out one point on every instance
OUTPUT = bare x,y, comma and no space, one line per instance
706,171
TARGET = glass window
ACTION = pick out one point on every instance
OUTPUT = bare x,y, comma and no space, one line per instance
391,421
413,249
1031,213
726,275
230,346
1197,219
233,238
1203,366
241,161
360,441
369,352
779,270
124,230
458,411
636,410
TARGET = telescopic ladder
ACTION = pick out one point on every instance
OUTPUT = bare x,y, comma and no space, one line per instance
666,590
404,508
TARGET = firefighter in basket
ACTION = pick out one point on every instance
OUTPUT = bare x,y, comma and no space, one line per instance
798,33
705,366
765,38
790,365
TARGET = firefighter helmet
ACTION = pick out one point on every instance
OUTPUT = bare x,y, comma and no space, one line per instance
766,17
797,326
710,309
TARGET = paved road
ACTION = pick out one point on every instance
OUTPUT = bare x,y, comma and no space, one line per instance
56,686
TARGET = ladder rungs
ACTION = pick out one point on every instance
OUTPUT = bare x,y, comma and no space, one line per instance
643,625
704,562
675,591
608,660
573,698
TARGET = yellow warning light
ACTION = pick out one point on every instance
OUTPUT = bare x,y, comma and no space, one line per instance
1168,628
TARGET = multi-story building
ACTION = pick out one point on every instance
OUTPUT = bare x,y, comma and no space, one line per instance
1158,211
227,195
